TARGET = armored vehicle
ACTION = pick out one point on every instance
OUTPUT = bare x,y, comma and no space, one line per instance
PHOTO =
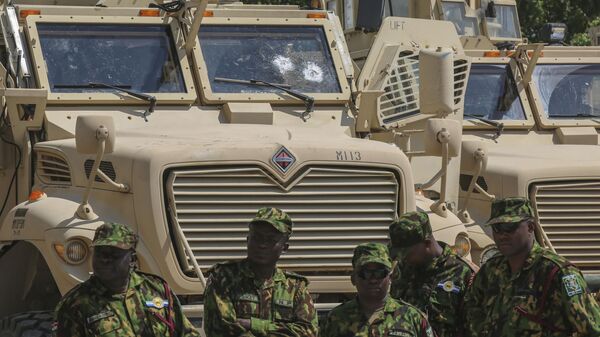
181,120
594,33
530,115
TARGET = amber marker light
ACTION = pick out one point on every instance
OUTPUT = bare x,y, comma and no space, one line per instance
27,12
149,12
208,14
36,195
316,15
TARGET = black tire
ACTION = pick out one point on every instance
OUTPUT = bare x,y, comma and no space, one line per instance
27,324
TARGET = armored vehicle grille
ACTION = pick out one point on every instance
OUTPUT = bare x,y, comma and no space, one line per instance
53,169
333,210
569,213
401,98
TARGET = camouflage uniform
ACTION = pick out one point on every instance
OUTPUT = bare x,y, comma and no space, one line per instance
281,306
437,289
397,318
147,308
547,297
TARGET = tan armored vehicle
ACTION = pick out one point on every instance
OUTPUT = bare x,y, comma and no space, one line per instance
594,33
115,111
534,127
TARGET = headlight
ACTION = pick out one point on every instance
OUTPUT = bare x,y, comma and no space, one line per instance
488,253
462,245
74,251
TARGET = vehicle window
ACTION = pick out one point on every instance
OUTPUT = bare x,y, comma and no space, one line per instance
297,56
137,57
569,90
455,12
505,24
492,93
396,8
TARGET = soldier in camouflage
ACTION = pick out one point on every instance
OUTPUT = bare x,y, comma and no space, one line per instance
253,297
373,313
428,274
527,290
118,300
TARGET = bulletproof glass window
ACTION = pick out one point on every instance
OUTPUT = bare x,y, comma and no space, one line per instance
455,13
492,93
295,56
137,57
505,24
568,90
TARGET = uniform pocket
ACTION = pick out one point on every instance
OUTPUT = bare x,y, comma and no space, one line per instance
246,305
283,309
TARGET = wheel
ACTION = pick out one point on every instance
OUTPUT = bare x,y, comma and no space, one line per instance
27,324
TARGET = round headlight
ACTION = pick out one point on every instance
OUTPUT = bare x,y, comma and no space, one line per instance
76,251
462,245
488,253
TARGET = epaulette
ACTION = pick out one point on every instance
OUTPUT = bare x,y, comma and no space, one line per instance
556,259
296,276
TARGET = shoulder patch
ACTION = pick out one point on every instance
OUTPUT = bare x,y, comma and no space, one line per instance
572,286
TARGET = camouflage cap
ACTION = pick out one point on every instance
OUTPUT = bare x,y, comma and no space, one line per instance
409,229
510,210
115,235
277,218
371,253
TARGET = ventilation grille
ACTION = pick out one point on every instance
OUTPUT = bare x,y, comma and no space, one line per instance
569,213
53,169
334,209
105,166
401,98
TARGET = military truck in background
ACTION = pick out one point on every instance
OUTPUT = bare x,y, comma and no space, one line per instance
594,33
182,119
531,114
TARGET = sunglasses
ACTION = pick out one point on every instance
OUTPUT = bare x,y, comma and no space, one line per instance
507,228
377,274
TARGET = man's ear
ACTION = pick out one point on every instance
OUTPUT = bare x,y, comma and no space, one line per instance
531,226
133,259
353,278
286,246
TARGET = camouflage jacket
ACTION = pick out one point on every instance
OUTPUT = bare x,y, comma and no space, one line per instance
438,290
396,319
143,310
281,306
500,303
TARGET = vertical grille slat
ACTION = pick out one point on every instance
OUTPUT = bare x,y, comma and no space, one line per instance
334,209
569,215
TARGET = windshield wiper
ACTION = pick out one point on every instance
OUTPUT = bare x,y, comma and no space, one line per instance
309,101
145,97
498,125
576,115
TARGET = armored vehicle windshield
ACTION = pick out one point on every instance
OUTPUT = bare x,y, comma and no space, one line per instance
295,56
138,57
568,91
492,93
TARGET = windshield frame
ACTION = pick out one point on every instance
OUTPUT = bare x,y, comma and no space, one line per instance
552,123
486,29
529,121
102,98
210,97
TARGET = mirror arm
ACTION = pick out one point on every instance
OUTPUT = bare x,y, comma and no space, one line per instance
463,214
439,207
108,180
85,211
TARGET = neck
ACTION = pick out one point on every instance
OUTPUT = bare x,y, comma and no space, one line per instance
116,286
261,271
437,249
517,261
369,306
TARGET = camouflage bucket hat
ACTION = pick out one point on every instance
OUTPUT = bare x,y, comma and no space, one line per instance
371,253
115,235
510,210
277,218
409,229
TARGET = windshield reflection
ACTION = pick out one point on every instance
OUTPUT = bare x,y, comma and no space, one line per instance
492,93
569,90
297,56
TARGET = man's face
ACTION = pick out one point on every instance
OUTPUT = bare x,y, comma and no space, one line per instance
111,264
417,255
513,238
265,244
372,281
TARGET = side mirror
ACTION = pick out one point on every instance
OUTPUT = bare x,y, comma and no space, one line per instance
370,15
442,131
474,154
436,81
93,134
490,10
91,130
